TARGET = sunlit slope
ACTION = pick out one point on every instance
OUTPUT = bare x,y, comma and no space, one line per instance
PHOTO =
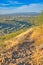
26,48
34,35
37,35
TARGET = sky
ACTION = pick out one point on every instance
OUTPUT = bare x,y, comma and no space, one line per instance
20,6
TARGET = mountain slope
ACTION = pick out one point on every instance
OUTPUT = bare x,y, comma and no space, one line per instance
26,48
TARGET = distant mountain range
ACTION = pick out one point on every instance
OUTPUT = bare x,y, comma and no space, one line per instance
21,14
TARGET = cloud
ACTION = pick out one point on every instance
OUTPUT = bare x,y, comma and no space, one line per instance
23,8
14,2
3,5
9,3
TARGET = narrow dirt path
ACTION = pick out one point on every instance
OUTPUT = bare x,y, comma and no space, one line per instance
23,53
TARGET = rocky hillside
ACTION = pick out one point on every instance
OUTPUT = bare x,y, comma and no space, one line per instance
25,49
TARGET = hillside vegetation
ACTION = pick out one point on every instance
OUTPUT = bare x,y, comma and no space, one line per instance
24,46
16,25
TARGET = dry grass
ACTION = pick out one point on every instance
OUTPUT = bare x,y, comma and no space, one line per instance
38,35
35,34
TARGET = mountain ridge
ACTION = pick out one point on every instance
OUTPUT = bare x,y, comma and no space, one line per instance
21,14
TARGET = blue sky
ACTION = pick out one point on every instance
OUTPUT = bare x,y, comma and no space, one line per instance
19,6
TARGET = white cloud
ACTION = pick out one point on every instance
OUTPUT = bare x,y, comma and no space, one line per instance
3,5
23,8
9,3
14,2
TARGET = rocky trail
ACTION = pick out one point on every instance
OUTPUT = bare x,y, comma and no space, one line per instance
24,53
